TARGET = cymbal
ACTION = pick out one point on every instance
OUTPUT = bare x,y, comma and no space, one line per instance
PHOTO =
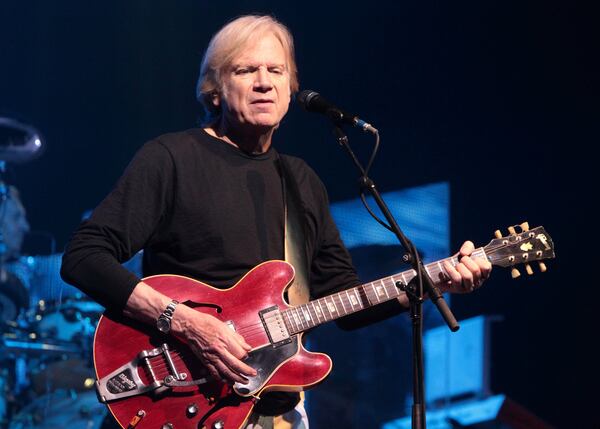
19,143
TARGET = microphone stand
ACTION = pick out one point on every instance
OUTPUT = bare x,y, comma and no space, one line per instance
416,291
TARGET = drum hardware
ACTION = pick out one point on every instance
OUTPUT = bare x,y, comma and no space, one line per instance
34,348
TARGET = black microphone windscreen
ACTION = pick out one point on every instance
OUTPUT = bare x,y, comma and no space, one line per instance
312,101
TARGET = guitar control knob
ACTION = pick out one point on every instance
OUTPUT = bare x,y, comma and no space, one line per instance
167,426
191,410
218,424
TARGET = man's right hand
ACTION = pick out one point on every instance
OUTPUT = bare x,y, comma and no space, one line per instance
219,348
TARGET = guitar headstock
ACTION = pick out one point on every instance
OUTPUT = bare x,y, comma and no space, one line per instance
520,247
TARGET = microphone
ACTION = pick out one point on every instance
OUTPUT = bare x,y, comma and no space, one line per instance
312,101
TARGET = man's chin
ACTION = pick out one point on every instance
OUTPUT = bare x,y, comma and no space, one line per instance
263,127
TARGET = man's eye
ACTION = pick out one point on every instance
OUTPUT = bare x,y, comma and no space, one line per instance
276,70
242,71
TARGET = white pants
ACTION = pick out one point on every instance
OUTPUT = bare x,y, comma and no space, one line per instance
293,419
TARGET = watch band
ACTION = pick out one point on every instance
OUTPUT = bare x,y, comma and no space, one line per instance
164,320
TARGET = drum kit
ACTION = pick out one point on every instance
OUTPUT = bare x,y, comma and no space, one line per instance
47,377
46,327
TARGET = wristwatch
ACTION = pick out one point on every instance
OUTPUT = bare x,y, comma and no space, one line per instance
163,323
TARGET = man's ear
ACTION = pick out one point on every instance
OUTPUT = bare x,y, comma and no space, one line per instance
215,99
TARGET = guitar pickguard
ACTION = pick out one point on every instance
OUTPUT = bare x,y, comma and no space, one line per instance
266,360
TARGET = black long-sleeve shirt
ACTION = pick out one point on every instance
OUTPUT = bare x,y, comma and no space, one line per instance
202,208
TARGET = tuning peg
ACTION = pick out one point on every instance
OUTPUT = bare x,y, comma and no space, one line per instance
525,226
542,267
498,234
515,273
511,230
528,269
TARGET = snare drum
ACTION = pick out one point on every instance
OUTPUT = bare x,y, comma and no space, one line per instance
72,320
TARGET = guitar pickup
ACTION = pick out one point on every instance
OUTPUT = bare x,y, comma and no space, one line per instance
126,381
274,325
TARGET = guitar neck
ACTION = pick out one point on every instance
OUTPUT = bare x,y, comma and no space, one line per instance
331,307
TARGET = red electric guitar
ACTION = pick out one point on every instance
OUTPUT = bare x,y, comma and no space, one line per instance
149,380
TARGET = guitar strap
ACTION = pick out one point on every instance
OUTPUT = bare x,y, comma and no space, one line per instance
294,234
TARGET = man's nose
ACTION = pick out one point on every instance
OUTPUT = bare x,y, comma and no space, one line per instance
263,80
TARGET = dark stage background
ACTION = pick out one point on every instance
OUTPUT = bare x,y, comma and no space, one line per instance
497,98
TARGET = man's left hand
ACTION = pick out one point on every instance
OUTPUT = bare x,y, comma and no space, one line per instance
469,273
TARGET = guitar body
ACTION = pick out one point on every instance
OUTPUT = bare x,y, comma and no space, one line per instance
287,367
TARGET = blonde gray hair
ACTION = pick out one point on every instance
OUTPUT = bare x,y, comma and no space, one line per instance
227,44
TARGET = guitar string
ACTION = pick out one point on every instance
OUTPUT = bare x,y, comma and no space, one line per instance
433,269
176,357
162,368
338,298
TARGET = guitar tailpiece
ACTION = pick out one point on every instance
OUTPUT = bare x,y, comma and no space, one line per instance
125,381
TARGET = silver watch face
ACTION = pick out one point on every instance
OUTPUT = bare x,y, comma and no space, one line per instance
163,325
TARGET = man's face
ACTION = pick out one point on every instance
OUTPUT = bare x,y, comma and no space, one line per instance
255,92
14,226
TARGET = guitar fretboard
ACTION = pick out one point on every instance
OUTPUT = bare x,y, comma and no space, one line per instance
331,307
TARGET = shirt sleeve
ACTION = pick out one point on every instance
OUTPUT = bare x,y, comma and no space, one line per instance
119,227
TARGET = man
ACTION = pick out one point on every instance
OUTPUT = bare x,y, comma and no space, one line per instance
14,275
15,278
208,203
13,222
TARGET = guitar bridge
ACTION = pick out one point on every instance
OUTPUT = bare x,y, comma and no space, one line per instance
126,381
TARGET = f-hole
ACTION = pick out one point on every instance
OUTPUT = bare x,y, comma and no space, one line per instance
193,304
